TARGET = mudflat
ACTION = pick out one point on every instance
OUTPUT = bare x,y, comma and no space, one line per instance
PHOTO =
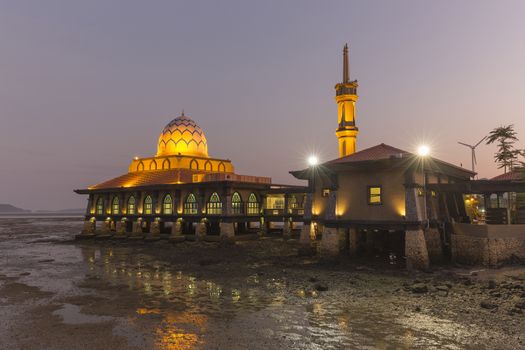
57,293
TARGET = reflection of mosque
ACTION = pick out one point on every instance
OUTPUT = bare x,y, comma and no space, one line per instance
182,190
197,299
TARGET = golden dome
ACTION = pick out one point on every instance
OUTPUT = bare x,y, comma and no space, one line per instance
182,136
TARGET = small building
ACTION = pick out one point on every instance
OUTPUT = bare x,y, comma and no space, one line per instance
186,193
377,200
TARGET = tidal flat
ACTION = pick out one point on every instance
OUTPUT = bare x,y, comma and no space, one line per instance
58,293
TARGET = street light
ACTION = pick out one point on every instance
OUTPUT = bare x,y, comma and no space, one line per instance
423,151
312,160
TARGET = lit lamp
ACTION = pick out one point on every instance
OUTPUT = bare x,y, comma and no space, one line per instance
423,151
312,162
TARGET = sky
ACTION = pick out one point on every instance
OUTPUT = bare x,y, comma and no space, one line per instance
87,85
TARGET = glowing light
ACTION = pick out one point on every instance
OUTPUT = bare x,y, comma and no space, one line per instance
423,150
313,160
136,158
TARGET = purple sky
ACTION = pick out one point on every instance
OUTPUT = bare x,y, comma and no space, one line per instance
87,85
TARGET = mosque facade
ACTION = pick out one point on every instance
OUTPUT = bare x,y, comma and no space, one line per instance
183,192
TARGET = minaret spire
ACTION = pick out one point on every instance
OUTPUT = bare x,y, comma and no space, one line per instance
346,70
346,98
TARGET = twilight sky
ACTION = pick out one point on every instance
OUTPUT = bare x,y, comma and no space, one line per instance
87,85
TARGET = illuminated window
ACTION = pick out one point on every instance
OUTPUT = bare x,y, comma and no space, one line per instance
208,166
375,195
326,192
214,205
165,164
292,203
253,205
433,194
100,206
131,205
237,204
420,192
190,205
167,205
115,206
148,206
221,167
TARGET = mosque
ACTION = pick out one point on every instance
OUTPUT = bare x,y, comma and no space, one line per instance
184,192
376,200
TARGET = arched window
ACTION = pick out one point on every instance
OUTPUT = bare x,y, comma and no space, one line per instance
166,164
237,207
222,168
115,206
131,206
208,166
190,205
292,202
167,205
140,167
148,206
153,165
214,205
100,206
253,205
194,165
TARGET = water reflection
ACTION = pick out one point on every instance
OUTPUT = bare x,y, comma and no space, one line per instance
189,309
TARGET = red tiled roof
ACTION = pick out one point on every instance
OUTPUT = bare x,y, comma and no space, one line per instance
510,176
381,151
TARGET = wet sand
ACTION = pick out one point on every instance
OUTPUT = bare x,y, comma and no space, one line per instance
56,293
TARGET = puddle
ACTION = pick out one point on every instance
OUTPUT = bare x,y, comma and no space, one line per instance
71,315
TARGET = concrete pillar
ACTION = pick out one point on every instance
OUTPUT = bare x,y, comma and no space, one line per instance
201,230
176,228
89,227
105,227
154,228
287,229
307,240
416,250
434,246
329,248
263,229
342,234
331,206
353,239
227,231
121,228
136,230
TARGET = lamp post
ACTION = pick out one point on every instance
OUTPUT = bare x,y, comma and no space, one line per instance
423,151
312,162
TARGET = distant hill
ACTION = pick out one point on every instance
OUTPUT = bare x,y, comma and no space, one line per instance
8,208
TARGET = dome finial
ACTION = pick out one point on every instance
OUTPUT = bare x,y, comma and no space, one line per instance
182,114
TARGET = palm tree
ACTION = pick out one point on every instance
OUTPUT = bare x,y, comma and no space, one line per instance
506,155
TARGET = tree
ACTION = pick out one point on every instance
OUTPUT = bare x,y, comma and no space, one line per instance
506,155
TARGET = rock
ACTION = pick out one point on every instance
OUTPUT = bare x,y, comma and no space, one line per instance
419,288
321,287
486,304
520,305
491,284
443,288
418,309
25,273
312,279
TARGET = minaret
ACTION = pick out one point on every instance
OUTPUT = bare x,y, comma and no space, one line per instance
346,97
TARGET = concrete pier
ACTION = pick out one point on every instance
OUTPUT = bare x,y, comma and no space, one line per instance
416,250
